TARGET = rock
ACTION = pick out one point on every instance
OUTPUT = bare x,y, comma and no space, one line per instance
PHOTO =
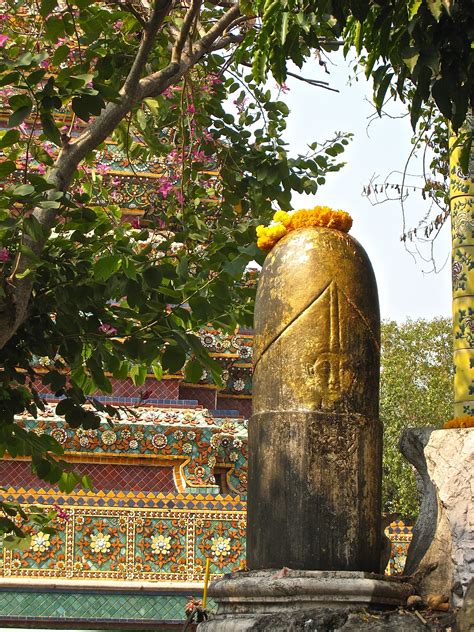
441,554
465,619
329,620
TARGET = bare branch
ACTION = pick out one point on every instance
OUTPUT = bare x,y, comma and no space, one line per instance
188,21
313,82
231,38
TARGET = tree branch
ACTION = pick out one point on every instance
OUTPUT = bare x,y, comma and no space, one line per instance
189,19
160,11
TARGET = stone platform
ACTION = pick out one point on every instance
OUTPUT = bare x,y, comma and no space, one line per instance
247,598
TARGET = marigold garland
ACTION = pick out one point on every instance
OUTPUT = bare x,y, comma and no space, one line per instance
284,222
460,422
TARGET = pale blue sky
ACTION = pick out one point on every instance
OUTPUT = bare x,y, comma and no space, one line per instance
405,289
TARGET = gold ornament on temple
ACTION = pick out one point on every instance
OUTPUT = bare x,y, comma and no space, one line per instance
286,221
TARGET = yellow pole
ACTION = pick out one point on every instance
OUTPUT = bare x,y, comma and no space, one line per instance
206,583
461,195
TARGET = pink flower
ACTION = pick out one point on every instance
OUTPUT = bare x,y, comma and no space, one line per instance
44,63
107,329
191,109
283,87
3,17
180,197
4,254
240,104
213,78
206,134
3,40
168,92
41,169
199,156
165,187
102,169
136,222
62,514
118,25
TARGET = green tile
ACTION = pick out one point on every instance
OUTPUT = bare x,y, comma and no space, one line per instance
83,606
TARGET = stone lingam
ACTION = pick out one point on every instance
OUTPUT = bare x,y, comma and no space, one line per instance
315,439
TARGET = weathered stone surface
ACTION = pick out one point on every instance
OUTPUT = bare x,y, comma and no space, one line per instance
315,437
442,549
327,620
466,613
246,599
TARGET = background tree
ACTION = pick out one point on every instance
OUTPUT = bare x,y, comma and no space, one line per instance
416,390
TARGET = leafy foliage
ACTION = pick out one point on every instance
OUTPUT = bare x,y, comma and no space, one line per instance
422,43
416,390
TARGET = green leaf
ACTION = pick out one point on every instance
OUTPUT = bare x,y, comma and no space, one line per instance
6,168
60,54
19,115
87,105
138,374
192,371
441,94
23,190
49,129
107,266
412,8
33,228
9,137
436,8
157,370
153,277
47,7
173,359
284,26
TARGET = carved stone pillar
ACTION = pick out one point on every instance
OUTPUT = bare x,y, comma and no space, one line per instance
315,436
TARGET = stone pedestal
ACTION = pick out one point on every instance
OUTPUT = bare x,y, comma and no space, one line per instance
250,600
442,548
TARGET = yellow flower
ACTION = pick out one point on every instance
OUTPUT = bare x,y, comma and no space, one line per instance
161,544
100,543
284,222
40,542
460,422
220,546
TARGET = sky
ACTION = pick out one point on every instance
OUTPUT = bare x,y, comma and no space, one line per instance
406,287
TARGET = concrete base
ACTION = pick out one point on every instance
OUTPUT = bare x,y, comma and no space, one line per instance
245,599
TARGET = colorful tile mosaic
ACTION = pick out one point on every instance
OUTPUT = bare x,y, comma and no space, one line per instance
195,437
47,607
126,477
135,545
400,535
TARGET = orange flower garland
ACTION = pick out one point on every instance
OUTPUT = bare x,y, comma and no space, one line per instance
460,422
285,222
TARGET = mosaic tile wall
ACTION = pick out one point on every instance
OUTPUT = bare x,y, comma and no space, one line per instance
144,545
34,608
400,535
